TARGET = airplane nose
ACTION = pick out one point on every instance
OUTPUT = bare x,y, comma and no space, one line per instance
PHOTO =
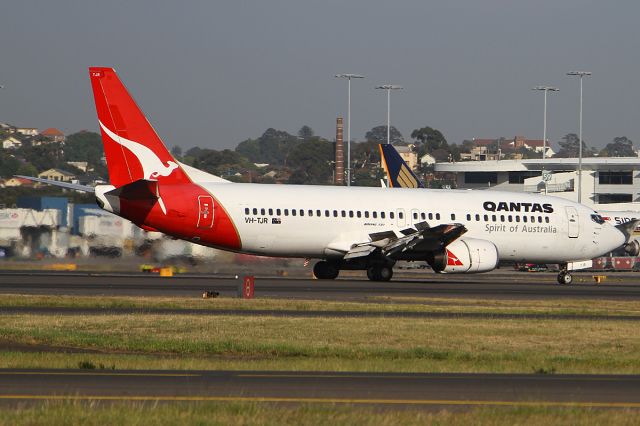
614,239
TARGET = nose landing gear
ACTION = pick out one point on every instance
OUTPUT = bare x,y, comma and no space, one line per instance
564,277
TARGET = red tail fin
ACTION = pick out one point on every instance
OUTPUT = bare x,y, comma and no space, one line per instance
132,148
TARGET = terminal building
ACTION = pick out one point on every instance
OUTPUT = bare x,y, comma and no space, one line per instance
605,180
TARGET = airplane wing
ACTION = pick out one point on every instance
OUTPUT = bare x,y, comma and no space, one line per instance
413,242
66,185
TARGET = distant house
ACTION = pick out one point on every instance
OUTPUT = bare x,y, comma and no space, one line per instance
53,134
57,174
80,165
11,143
408,155
427,159
16,181
27,131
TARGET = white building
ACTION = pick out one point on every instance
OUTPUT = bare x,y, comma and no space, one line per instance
11,143
604,180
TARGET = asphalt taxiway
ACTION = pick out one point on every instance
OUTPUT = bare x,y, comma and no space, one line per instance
391,389
493,285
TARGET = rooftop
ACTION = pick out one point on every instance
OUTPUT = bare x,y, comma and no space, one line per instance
591,163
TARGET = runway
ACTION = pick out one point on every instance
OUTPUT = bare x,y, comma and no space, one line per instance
429,391
494,285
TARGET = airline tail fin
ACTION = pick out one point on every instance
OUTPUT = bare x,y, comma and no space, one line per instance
132,148
399,173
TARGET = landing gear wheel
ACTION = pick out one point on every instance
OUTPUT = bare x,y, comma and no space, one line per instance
565,278
324,270
379,273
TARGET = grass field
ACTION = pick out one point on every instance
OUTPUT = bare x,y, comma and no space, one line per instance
148,340
65,413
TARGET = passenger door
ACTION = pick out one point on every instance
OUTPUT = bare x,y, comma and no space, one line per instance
573,222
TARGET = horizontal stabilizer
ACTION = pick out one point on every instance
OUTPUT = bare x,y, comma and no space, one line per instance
138,190
66,185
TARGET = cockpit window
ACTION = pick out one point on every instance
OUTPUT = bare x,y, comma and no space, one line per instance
597,219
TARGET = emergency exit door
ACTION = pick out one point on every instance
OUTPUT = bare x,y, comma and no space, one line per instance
205,211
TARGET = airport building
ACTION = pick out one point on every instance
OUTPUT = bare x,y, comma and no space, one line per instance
605,180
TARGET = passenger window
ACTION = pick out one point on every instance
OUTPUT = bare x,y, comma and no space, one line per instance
326,213
310,212
375,215
255,211
318,213
350,213
501,218
437,216
493,218
358,213
486,218
335,213
533,219
400,215
246,210
453,216
344,213
366,214
430,216
415,216
301,212
293,212
524,219
278,212
517,218
286,212
423,216
382,215
262,212
270,212
546,219
477,218
539,219
391,215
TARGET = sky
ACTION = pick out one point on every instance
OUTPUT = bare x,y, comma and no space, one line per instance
214,73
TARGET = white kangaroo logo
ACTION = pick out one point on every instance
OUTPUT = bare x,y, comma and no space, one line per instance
152,166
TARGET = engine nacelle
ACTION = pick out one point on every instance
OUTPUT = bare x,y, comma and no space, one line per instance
632,248
466,256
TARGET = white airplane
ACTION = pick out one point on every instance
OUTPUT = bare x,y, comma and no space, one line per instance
400,175
344,227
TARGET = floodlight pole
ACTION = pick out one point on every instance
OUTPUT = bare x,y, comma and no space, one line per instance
580,74
389,88
546,89
349,77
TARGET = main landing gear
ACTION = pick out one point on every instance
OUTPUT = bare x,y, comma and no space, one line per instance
379,273
324,270
564,277
327,270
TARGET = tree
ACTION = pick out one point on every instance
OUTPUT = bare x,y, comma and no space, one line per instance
273,147
430,139
620,147
569,147
84,146
379,135
176,151
305,132
311,162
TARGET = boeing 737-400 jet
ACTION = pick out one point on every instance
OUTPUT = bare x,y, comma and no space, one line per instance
344,227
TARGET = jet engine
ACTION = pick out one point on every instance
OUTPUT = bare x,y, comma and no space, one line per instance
466,256
632,248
